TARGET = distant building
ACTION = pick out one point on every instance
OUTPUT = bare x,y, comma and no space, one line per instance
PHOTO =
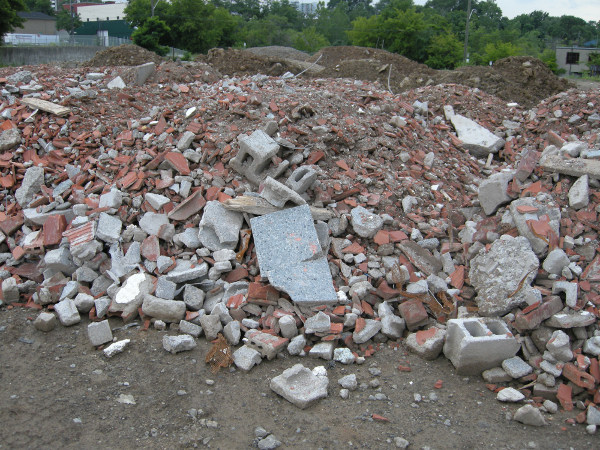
305,8
98,11
36,23
574,60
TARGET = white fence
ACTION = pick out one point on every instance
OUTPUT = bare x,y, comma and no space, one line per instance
30,39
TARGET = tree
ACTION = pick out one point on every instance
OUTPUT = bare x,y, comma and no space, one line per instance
152,35
333,24
445,51
64,21
310,40
137,11
43,6
9,20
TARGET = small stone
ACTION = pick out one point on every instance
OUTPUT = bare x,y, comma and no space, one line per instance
99,333
349,382
245,358
510,395
530,415
516,367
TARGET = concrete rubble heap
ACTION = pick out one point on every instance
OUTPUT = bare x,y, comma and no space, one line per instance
254,207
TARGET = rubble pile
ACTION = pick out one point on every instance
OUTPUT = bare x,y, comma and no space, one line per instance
319,217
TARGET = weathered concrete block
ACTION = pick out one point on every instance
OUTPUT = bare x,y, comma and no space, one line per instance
426,343
497,276
112,199
474,345
254,156
186,270
322,350
245,358
287,326
143,72
300,386
232,332
166,310
540,212
60,260
296,266
45,322
193,297
10,290
30,185
165,289
190,328
267,344
278,194
492,192
579,194
516,367
67,312
365,223
476,139
219,227
211,324
181,343
99,333
370,329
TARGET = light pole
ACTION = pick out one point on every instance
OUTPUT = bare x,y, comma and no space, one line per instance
469,12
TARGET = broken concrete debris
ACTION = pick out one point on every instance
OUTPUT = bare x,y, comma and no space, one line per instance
290,256
159,215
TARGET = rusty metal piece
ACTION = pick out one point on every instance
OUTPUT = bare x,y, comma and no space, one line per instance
245,236
219,356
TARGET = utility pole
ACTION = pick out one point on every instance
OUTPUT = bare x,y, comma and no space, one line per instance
465,54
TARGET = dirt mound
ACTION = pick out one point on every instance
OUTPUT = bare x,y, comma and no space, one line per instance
278,51
350,62
123,55
241,62
521,79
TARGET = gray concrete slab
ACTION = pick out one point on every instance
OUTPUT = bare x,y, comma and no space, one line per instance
290,255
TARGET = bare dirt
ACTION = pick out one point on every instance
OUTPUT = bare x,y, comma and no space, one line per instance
58,391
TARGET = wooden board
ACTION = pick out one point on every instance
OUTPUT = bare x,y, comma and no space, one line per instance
259,206
52,108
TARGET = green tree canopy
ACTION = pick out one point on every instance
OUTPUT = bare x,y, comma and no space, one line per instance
9,20
43,6
153,35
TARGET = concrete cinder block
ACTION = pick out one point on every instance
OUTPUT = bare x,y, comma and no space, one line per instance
267,344
99,333
474,345
302,179
296,266
254,156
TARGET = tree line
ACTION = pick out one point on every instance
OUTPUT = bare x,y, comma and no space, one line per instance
433,34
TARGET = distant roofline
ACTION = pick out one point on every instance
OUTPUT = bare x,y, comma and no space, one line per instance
578,48
35,15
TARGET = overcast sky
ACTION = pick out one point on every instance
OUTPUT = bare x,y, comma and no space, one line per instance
586,9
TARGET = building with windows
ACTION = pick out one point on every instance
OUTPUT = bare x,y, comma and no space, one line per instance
574,60
305,8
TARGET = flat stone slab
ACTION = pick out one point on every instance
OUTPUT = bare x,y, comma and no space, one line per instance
290,256
575,167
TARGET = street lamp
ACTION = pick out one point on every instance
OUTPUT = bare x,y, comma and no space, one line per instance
469,14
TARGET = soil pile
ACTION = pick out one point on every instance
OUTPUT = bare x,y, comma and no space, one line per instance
278,51
123,55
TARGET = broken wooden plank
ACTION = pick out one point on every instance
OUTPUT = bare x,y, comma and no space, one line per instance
36,103
259,206
575,167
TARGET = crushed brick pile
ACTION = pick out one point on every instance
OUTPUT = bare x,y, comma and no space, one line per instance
121,203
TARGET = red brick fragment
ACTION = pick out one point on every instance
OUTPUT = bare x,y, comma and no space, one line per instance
151,248
178,162
564,396
578,377
53,229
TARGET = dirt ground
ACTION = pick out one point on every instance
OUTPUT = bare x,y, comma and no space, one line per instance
61,392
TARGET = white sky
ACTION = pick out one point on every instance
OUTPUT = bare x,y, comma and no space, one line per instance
586,9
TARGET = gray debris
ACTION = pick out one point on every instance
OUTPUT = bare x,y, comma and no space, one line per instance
579,195
245,358
497,274
181,343
45,322
31,185
296,266
492,192
67,312
99,333
476,139
166,310
300,386
9,139
365,223
530,415
219,227
109,228
516,367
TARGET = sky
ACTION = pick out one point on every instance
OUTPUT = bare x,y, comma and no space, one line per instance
586,9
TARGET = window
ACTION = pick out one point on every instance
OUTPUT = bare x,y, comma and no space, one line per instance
572,58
